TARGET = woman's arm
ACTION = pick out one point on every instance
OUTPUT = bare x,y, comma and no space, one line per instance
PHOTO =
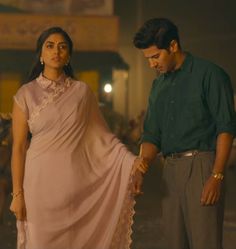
19,130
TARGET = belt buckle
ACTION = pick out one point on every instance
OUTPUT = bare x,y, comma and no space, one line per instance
189,153
183,154
195,152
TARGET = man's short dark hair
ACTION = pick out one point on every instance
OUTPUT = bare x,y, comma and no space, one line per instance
157,31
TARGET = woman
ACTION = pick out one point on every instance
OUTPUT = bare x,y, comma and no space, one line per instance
72,184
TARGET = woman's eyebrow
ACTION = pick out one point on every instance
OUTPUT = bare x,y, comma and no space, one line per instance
51,42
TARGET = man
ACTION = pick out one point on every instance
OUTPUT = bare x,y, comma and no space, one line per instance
191,120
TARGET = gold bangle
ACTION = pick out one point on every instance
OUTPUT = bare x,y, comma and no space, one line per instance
218,176
144,167
14,195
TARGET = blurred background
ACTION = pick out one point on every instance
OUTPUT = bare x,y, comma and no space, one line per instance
104,57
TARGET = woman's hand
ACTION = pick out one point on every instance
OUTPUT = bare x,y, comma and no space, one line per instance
141,164
18,206
137,182
140,167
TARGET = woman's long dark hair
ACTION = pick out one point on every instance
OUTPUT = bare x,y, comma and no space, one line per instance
37,66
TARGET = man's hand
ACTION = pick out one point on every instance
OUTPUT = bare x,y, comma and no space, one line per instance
211,191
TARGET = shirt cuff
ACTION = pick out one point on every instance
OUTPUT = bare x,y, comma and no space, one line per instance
150,139
227,129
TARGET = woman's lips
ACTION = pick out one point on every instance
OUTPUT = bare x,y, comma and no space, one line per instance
56,58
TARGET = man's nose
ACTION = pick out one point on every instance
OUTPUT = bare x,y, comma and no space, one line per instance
152,63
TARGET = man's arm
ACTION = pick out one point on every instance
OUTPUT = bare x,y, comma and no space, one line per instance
148,151
147,154
223,148
212,188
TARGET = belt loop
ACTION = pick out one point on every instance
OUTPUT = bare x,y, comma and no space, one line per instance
195,152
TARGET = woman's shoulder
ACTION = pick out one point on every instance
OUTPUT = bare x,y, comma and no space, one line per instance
80,85
27,88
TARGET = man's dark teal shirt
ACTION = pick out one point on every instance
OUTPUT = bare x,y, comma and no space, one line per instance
189,107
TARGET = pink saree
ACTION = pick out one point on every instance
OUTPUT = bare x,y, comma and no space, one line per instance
78,175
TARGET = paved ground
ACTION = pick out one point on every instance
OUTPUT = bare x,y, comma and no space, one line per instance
147,233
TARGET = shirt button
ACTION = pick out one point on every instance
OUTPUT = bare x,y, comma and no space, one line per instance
172,101
171,118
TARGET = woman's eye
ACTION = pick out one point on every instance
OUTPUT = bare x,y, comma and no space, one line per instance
63,46
49,46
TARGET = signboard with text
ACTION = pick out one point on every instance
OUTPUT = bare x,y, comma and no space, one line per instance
63,7
89,33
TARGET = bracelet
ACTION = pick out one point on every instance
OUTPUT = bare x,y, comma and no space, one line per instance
144,166
14,195
218,176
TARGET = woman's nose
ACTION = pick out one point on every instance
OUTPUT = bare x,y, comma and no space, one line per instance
56,50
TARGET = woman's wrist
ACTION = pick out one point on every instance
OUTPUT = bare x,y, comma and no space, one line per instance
143,165
17,193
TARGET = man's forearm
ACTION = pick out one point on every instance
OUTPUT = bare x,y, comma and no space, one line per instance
223,148
148,151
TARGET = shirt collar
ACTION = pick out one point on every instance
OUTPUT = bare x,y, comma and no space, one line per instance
186,65
188,62
47,83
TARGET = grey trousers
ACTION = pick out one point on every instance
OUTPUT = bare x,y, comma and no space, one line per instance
186,223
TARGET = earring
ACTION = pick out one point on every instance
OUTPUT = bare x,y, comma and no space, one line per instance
67,63
41,61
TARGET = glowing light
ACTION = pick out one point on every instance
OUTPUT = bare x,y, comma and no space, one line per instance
108,88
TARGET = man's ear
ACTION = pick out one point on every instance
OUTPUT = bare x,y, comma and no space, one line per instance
174,46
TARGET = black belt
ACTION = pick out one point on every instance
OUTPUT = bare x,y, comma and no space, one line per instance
182,154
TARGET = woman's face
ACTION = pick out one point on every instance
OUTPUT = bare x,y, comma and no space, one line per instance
55,52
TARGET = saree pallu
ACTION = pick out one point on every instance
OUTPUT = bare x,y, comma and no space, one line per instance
78,175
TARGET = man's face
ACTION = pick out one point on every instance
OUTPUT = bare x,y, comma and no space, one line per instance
162,60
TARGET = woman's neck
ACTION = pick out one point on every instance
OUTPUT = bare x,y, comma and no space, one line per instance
52,74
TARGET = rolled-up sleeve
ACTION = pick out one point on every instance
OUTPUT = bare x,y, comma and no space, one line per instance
220,101
151,131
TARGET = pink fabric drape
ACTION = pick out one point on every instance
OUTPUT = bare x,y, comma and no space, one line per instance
78,175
